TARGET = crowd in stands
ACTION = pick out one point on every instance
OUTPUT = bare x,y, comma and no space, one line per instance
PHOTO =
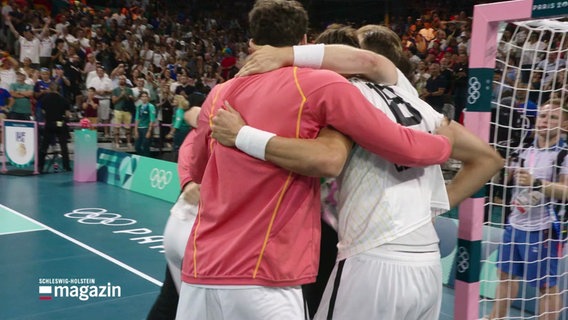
530,70
94,55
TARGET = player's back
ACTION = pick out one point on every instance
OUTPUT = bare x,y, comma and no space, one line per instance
380,201
260,223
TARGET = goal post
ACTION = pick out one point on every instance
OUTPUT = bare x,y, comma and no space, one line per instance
482,61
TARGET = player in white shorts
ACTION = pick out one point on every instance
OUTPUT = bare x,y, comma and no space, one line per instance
388,262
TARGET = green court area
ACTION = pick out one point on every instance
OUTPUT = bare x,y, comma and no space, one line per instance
78,250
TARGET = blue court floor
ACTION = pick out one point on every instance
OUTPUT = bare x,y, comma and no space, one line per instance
63,243
58,237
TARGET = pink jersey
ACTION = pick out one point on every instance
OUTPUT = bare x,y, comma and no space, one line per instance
259,224
183,160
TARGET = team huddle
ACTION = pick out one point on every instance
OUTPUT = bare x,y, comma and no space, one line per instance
250,215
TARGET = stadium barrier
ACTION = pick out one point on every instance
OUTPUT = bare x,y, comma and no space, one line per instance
148,176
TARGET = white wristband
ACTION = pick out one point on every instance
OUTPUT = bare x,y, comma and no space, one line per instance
309,56
253,141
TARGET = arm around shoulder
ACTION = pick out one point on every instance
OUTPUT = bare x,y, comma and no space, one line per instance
324,156
344,59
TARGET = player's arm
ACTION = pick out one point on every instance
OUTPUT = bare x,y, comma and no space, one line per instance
324,156
479,163
201,140
191,115
375,132
190,189
8,20
339,58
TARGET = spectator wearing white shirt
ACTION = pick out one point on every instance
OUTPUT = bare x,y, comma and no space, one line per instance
529,56
46,44
8,67
551,65
29,42
140,87
63,23
103,89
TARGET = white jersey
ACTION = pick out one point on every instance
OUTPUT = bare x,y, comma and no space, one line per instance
29,49
380,201
541,163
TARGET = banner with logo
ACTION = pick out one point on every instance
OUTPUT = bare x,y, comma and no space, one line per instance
153,177
20,143
157,178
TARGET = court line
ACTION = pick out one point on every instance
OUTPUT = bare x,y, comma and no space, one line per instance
22,231
89,248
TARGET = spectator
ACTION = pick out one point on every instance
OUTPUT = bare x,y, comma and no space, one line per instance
55,108
427,32
91,106
531,55
6,102
228,64
22,94
551,65
29,42
180,128
144,124
531,242
123,100
436,86
103,87
8,67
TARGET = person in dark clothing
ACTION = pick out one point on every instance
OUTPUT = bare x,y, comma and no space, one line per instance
55,109
435,88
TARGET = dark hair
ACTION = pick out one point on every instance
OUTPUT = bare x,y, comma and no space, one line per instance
278,23
383,40
339,34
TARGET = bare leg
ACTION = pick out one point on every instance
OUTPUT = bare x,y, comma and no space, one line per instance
549,304
506,290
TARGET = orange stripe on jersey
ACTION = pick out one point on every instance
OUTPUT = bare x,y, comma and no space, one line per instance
302,104
288,179
280,197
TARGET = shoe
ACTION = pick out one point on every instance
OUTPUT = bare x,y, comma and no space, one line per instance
129,146
117,146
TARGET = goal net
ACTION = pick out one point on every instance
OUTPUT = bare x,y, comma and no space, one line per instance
516,64
517,277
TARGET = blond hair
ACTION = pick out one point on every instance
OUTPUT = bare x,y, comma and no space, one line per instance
181,101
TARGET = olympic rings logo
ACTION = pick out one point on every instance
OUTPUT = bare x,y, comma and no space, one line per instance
473,90
160,178
463,260
99,216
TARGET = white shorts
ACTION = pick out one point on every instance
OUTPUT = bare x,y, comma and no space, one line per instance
386,285
247,303
176,235
103,111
